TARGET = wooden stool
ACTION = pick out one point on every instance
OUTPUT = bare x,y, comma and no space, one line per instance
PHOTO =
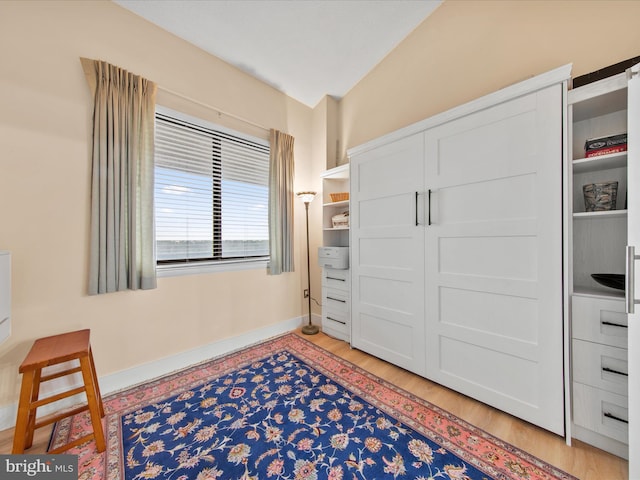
44,353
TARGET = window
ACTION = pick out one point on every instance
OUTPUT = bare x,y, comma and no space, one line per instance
211,193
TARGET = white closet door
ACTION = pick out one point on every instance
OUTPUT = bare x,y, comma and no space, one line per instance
387,253
633,229
494,256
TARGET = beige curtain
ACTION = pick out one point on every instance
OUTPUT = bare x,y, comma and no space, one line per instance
122,252
281,173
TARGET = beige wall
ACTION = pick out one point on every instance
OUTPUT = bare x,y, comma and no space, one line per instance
467,49
324,133
45,110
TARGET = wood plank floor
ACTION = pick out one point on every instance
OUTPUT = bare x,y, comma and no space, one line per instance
581,460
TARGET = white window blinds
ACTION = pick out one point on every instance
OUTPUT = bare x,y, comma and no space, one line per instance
211,193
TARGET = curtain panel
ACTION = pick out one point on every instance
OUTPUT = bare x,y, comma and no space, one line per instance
122,250
281,173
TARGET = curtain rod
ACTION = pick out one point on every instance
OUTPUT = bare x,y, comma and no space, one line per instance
217,110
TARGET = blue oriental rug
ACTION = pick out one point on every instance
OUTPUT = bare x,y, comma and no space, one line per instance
288,410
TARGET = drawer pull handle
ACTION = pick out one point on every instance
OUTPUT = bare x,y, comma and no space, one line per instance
630,279
617,372
334,278
615,324
336,299
5,319
339,321
613,417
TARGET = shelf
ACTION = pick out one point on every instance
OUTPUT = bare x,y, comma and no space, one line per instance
340,172
605,214
334,229
342,203
599,98
603,162
581,291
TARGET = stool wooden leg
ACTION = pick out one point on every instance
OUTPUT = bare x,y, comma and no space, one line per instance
35,393
22,421
94,403
95,382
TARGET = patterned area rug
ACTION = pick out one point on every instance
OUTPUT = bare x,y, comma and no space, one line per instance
287,409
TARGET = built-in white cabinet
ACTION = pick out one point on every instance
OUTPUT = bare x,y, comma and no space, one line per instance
633,286
599,324
456,241
336,282
336,311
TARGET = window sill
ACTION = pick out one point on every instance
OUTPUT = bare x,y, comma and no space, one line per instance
197,268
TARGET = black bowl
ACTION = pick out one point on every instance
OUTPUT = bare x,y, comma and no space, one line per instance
611,280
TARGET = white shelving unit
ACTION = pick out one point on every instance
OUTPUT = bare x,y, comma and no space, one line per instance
598,240
335,180
336,283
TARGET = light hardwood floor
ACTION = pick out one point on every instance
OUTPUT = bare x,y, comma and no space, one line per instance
581,460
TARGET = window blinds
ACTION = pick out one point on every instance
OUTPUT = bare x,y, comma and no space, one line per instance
211,193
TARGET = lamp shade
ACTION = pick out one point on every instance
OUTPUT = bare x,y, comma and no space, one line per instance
306,197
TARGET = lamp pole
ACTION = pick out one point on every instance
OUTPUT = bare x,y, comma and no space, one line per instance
307,197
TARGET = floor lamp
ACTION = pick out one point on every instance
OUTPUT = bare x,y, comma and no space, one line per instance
307,198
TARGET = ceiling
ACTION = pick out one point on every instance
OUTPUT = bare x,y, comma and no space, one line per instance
305,48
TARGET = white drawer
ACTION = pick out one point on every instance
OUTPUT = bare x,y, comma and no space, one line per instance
335,323
603,412
340,316
334,299
599,320
335,278
600,366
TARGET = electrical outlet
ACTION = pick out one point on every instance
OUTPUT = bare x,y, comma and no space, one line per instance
305,293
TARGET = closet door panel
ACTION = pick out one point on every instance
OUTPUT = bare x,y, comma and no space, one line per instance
494,256
476,311
496,199
387,252
503,146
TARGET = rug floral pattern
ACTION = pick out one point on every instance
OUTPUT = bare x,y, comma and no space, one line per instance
288,410
280,419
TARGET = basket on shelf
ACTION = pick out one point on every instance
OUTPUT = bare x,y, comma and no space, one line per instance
339,196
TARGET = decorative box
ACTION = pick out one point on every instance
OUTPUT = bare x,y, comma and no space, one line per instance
605,145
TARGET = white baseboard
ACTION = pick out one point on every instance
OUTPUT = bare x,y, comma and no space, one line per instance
133,376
